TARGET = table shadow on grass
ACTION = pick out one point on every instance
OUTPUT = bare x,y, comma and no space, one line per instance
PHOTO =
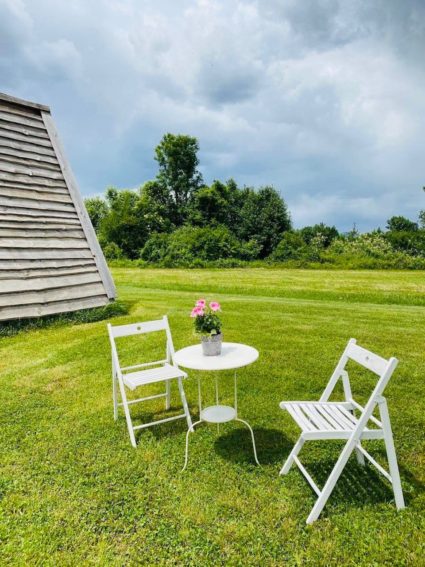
236,445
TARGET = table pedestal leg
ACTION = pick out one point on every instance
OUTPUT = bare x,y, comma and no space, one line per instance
186,457
252,437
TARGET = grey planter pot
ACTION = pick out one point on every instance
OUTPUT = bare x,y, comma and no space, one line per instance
211,345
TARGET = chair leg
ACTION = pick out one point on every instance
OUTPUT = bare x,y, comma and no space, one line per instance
332,480
288,463
185,406
360,456
168,394
391,455
114,395
127,414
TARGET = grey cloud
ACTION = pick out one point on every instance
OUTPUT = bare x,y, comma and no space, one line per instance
226,84
321,99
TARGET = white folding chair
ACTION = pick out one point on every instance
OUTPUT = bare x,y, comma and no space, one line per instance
337,420
133,377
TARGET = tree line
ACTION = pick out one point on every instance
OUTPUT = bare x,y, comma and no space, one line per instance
178,220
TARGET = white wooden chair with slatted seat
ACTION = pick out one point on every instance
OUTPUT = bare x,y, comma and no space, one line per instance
145,374
337,420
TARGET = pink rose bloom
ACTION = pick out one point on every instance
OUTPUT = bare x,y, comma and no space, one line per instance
197,311
201,303
214,306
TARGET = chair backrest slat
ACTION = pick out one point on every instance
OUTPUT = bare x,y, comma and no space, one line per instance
139,328
369,360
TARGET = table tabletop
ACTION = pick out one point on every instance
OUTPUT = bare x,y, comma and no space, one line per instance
233,355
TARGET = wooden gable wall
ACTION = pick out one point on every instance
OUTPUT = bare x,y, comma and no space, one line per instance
50,260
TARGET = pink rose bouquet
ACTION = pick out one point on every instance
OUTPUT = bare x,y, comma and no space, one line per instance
207,321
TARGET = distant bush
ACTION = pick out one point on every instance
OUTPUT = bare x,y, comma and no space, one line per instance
325,234
112,251
368,251
156,247
192,246
412,242
291,247
372,245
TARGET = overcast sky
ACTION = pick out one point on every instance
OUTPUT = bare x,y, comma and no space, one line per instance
325,100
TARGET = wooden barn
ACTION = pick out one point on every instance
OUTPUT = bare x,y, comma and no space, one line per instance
50,259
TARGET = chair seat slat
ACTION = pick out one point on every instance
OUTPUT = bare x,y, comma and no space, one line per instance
143,377
321,423
350,417
332,415
299,417
344,419
318,417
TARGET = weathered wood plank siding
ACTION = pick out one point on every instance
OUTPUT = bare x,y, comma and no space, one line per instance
50,260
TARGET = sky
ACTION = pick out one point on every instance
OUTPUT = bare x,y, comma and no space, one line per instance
323,99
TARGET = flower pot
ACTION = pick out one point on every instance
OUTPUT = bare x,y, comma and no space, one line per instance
211,344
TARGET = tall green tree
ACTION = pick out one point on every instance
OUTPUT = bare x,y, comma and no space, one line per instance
157,206
326,233
178,172
125,225
97,210
264,218
218,204
401,224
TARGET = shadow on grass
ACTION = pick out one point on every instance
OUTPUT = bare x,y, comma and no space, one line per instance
362,485
233,445
161,430
236,445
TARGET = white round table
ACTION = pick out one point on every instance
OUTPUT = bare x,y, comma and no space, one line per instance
232,357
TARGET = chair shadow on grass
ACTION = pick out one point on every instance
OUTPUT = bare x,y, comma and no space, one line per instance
236,445
361,485
161,430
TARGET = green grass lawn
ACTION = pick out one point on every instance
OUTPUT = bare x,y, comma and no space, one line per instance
73,490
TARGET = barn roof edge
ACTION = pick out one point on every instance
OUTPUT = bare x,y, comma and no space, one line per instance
22,102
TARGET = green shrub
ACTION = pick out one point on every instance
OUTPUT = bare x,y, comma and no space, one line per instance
291,247
369,251
326,233
412,242
112,251
156,247
193,246
124,225
371,245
